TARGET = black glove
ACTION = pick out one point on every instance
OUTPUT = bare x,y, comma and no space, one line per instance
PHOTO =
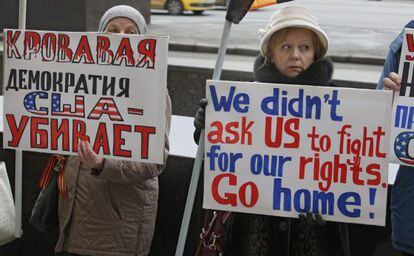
200,119
310,236
311,220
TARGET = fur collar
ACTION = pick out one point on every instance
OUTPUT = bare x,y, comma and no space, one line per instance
319,73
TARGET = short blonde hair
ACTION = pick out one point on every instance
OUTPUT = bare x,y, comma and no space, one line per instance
280,35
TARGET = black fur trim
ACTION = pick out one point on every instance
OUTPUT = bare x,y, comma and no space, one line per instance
319,73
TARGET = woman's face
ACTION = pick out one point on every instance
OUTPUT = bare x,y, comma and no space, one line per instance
122,25
295,52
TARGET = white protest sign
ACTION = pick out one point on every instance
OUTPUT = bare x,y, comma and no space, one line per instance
402,122
286,149
62,87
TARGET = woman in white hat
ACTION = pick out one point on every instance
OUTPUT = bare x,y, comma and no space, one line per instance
111,204
293,50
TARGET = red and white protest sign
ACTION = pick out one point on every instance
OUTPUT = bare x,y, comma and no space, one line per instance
62,87
285,149
402,122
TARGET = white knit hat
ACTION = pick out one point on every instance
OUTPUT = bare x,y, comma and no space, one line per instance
292,16
126,12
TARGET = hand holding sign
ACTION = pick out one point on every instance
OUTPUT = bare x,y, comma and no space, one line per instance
88,157
199,119
392,82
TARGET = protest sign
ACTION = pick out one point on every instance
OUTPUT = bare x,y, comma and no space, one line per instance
286,149
402,121
62,87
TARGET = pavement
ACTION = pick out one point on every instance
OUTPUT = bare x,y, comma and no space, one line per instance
357,28
359,31
370,25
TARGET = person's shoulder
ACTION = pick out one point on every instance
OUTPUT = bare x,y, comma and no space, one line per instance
395,46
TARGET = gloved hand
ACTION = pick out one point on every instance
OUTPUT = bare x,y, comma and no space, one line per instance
311,220
200,119
310,236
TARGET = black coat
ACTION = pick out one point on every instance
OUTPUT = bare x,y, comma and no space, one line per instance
258,235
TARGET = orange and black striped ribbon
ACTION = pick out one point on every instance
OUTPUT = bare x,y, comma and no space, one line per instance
61,175
55,161
47,171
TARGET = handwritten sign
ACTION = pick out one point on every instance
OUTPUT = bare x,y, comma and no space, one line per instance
283,150
402,122
62,87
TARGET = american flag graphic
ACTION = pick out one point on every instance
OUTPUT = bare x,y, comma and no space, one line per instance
105,106
30,103
401,147
79,110
135,111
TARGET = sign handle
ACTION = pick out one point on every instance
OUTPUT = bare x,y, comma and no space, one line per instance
18,177
198,163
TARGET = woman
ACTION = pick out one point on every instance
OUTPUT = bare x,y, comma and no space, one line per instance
111,204
293,51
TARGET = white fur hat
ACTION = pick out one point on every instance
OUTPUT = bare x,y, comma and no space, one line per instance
292,16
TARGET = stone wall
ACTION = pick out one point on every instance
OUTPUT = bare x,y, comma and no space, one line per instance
186,86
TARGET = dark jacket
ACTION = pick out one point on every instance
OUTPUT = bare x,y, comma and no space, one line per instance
264,235
318,74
